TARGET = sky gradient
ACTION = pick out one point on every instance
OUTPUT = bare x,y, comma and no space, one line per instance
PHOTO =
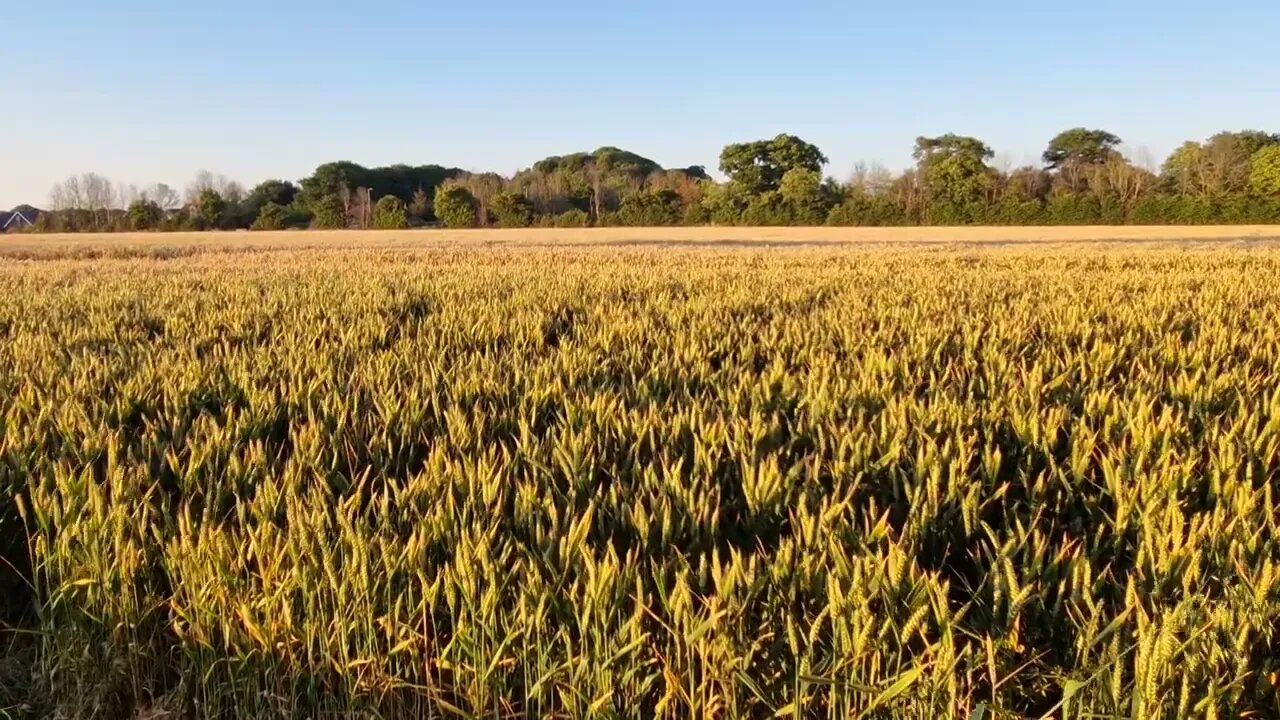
145,91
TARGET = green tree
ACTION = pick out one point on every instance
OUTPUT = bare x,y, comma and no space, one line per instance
144,215
757,167
390,213
328,181
455,207
767,209
959,180
271,216
651,208
1082,146
1229,158
929,149
511,210
1264,172
809,200
328,213
1182,166
399,180
279,192
209,208
956,177
574,218
1220,166
725,203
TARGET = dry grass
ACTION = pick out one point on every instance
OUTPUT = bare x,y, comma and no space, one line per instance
169,244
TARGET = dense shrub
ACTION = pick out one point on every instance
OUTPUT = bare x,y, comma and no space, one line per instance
511,210
574,218
1073,209
768,208
455,207
390,213
650,208
144,215
328,213
270,217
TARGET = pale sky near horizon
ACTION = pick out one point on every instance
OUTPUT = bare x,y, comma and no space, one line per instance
144,91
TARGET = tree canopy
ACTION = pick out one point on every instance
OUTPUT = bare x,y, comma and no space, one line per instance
1081,145
1229,177
757,167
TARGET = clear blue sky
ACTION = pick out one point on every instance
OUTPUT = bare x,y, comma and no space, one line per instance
148,91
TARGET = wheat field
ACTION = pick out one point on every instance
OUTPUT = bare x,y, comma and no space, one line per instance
89,245
711,473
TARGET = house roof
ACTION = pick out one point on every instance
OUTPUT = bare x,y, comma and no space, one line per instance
17,218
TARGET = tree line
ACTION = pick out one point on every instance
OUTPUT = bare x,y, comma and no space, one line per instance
1083,178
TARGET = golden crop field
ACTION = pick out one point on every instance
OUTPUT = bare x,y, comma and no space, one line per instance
124,244
540,476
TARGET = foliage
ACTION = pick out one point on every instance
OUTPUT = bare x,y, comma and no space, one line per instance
768,208
928,149
651,208
270,217
1073,209
958,180
809,201
758,167
328,213
279,192
574,218
725,203
144,215
390,213
402,181
455,207
1229,177
511,210
879,483
209,208
1081,146
1264,171
870,211
696,215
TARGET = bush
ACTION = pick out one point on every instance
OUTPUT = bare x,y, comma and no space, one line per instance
209,209
869,211
574,218
651,208
178,222
695,215
144,215
1073,209
455,207
725,203
767,209
328,213
1171,210
1241,209
1264,172
947,212
511,210
1017,212
807,199
390,213
270,217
